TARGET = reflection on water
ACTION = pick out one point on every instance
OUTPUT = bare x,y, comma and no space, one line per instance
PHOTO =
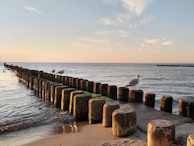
25,136
65,128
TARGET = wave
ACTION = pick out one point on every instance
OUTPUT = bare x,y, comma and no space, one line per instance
26,121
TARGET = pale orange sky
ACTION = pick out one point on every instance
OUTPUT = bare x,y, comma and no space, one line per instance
105,31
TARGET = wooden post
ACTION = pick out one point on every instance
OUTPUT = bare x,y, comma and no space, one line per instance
95,110
108,109
166,103
97,87
89,86
123,94
80,109
66,98
186,108
124,122
112,92
160,133
103,89
136,96
150,99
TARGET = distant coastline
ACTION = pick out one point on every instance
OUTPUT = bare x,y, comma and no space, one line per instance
175,65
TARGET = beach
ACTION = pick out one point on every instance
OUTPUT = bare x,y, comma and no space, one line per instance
92,135
67,132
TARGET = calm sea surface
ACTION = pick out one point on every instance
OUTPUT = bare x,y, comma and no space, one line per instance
20,109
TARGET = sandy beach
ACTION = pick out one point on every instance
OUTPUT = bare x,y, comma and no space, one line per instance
92,135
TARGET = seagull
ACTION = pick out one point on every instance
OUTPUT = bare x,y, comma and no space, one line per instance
134,82
53,70
60,72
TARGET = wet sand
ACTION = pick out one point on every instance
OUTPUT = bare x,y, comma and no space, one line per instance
93,135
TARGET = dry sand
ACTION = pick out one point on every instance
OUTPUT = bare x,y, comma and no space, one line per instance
92,135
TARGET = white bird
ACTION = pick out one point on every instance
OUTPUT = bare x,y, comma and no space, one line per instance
134,82
60,72
53,70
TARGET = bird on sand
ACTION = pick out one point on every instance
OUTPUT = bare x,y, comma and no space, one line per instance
53,71
60,72
134,82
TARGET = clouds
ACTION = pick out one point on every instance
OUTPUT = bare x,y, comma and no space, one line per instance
128,13
167,43
32,9
151,41
106,21
164,41
135,7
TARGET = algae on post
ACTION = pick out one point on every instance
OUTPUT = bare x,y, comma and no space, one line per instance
94,95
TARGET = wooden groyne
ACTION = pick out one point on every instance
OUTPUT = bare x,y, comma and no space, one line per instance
99,103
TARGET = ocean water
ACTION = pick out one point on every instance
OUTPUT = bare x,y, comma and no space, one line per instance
20,109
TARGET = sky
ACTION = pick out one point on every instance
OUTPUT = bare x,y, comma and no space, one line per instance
100,31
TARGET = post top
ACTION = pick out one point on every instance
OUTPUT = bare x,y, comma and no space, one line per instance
160,123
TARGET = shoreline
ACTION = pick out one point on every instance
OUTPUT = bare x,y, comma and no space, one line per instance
94,135
56,88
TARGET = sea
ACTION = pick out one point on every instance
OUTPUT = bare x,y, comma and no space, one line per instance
25,118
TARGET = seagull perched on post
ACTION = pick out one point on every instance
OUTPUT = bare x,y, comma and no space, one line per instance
134,82
53,71
60,72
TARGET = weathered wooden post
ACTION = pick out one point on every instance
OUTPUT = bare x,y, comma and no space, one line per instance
47,90
190,140
112,92
186,108
58,94
166,103
150,99
83,85
66,98
97,87
40,74
74,82
67,81
136,96
70,82
63,79
78,82
124,122
59,79
43,89
108,109
35,86
89,86
71,104
103,89
53,86
80,108
53,77
95,110
31,78
56,78
123,94
160,133
40,80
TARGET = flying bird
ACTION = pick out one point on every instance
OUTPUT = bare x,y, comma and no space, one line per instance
53,71
60,72
134,82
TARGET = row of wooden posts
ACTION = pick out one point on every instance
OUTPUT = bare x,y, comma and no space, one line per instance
186,107
67,93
